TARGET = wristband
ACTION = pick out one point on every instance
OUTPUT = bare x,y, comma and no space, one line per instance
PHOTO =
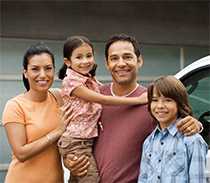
201,127
49,139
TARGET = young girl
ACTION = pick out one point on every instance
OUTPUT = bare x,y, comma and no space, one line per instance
81,89
168,156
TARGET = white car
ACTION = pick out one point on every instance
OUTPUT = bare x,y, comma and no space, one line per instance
196,78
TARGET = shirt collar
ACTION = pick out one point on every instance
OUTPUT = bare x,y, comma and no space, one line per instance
172,129
70,71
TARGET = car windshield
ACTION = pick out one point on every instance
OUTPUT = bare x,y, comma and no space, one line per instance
198,86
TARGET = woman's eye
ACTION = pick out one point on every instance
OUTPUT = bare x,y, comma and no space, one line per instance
34,69
49,68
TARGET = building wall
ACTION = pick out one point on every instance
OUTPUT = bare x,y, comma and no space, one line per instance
172,35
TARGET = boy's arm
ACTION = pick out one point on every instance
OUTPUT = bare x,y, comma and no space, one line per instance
92,96
197,152
143,176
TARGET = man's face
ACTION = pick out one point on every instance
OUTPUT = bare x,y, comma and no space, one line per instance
122,62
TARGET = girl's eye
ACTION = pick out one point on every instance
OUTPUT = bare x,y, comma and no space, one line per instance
79,57
89,56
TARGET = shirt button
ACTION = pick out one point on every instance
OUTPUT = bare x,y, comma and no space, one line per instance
159,160
161,143
158,177
174,153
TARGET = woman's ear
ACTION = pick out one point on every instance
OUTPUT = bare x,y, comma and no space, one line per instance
67,62
25,74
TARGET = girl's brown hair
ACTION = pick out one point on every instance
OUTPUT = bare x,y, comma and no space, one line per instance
170,87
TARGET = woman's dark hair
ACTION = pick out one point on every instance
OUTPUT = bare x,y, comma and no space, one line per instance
170,87
69,46
122,37
36,49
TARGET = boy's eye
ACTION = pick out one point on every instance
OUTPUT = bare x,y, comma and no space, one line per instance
154,99
168,100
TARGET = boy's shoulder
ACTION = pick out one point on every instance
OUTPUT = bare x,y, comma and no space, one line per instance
149,138
196,138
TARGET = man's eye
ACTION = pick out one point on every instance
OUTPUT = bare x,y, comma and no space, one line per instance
114,59
128,57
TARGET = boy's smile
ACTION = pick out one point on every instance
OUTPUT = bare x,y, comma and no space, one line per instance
164,109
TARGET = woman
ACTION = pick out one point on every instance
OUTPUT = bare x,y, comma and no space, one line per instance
34,123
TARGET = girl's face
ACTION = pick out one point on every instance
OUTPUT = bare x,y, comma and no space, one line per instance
164,109
82,59
40,72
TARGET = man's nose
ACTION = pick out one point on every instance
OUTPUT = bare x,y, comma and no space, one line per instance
121,62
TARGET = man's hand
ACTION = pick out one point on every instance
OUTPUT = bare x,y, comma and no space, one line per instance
77,165
189,126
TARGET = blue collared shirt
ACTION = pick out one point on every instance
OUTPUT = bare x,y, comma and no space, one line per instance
170,157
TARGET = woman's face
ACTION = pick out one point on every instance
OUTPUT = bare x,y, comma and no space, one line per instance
40,72
82,59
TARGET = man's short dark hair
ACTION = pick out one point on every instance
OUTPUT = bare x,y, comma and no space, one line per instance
122,37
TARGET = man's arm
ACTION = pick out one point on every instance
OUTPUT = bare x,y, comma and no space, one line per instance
189,126
77,165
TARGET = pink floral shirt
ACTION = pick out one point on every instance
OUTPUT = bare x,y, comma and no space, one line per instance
85,115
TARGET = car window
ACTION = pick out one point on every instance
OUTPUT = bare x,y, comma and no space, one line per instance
198,87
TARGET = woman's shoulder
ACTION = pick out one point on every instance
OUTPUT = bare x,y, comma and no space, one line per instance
16,99
56,94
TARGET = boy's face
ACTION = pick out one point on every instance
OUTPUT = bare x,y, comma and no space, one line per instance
164,109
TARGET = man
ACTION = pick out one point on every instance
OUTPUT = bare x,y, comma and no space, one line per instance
124,128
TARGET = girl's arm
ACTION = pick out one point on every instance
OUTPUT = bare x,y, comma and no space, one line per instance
16,134
91,96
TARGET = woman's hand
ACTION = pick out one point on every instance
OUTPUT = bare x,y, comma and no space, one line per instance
65,115
77,165
189,126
